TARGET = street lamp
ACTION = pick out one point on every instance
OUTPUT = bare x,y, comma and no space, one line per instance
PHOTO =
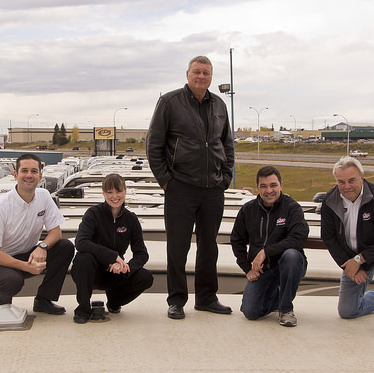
228,89
28,128
114,115
339,115
291,116
258,127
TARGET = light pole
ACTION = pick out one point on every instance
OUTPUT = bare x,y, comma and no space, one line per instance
339,115
229,90
258,127
28,128
114,115
291,116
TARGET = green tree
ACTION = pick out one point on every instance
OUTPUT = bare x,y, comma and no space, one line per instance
62,139
56,134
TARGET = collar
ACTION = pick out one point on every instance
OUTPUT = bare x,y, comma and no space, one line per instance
207,97
358,199
17,198
109,209
275,204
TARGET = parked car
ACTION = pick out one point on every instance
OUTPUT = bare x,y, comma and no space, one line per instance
129,150
318,208
358,153
318,197
41,147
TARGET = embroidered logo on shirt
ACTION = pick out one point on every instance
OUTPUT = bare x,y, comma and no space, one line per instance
281,221
121,229
41,213
366,216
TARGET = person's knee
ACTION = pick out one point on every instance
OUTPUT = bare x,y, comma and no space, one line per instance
292,260
346,311
82,263
251,316
66,248
148,280
84,259
292,256
346,314
250,312
10,286
145,279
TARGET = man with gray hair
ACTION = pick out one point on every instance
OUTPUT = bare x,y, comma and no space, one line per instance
191,153
347,226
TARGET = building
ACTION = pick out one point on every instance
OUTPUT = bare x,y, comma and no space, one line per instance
357,131
32,135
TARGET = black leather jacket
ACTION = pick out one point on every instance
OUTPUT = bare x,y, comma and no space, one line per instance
179,146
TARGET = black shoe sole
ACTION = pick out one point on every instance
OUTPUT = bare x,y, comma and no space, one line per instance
80,320
175,317
36,309
204,308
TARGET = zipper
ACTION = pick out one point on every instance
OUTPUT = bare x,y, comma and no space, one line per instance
114,233
207,148
266,228
207,163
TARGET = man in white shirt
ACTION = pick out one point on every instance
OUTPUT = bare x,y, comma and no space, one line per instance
347,226
24,212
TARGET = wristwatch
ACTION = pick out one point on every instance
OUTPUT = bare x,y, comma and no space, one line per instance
357,259
43,245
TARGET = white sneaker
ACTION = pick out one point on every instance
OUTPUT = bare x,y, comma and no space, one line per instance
287,319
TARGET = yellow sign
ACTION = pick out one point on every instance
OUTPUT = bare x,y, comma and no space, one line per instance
105,133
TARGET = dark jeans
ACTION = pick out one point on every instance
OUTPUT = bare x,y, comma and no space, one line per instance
276,288
58,260
186,205
120,289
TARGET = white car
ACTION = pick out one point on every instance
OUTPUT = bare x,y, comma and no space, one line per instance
358,153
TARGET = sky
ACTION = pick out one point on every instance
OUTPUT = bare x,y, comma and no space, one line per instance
79,62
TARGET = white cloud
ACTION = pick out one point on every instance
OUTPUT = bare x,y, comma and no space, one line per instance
77,61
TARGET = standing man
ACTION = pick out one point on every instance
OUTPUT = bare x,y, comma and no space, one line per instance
190,151
274,228
24,211
347,226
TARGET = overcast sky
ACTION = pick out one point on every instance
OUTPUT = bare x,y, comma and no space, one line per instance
78,61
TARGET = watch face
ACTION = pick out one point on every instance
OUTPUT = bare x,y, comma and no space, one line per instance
43,245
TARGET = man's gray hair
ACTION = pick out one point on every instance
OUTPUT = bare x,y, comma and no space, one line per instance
347,161
200,59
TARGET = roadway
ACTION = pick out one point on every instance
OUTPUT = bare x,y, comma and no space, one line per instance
299,160
321,161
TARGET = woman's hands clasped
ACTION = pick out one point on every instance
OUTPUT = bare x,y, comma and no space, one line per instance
120,266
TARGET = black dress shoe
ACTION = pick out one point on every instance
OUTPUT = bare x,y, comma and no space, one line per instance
112,309
175,312
80,319
46,306
215,307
